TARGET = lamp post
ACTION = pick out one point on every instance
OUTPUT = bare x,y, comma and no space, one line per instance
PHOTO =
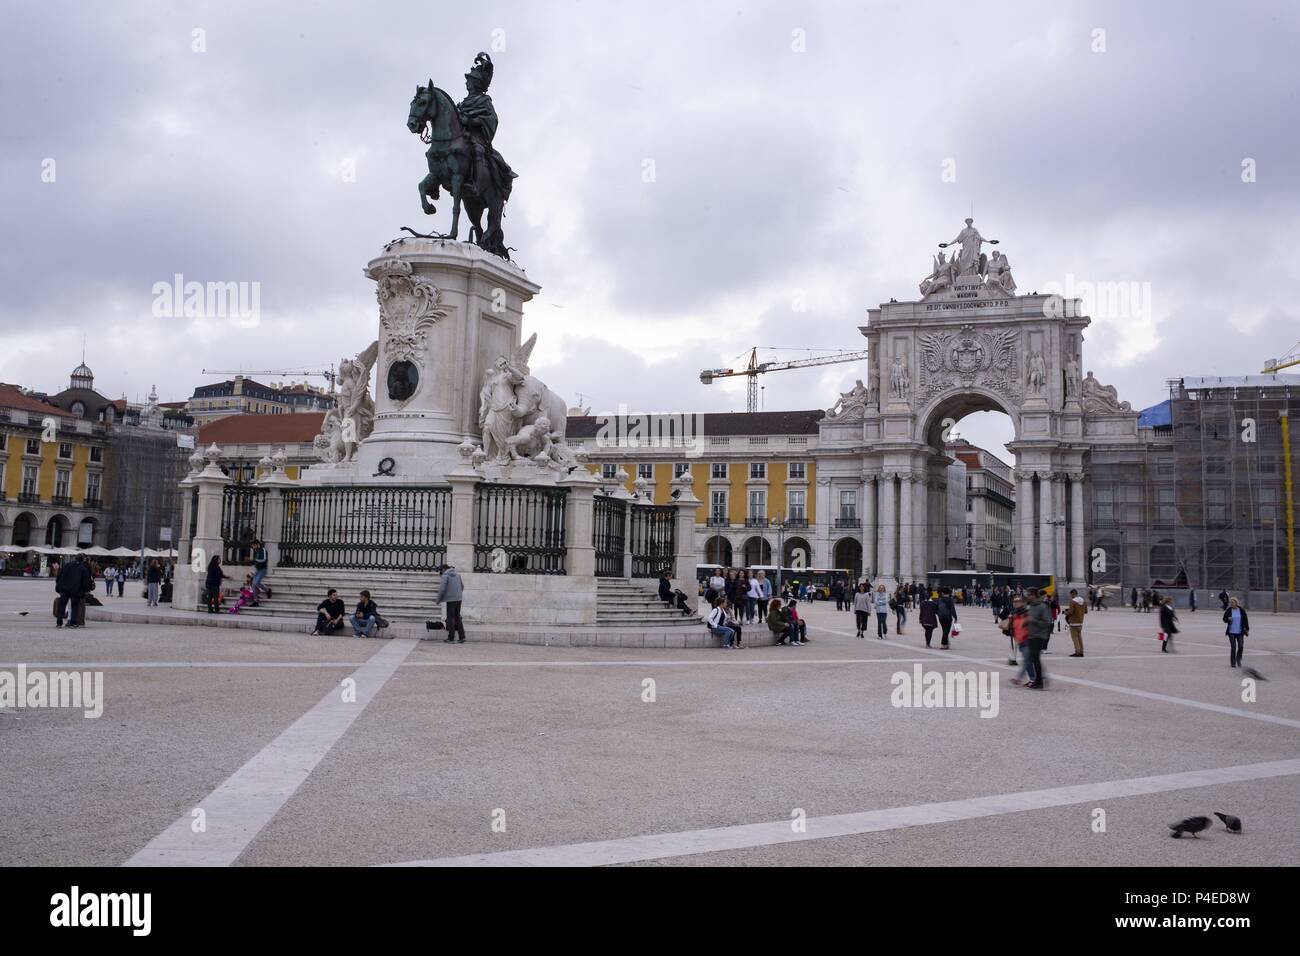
1056,521
1122,535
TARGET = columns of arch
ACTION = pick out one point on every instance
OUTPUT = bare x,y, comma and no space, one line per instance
1050,519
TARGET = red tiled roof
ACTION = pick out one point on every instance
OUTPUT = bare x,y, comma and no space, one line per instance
12,397
262,429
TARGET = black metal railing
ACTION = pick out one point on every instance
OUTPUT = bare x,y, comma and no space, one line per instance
61,501
93,503
402,528
796,522
241,522
29,498
652,537
753,522
519,529
718,521
609,535
848,522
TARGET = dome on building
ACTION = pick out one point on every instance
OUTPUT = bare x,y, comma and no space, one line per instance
82,377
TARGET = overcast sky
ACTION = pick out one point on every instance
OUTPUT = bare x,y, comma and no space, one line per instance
798,150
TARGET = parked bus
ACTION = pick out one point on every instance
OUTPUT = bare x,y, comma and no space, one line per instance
969,580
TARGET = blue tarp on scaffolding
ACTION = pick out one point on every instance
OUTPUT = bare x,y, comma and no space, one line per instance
1156,416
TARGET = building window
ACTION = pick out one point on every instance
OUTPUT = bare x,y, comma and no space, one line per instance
1164,467
758,469
1166,510
1103,501
718,506
646,470
970,504
608,470
680,468
758,503
31,475
65,449
798,470
1267,504
848,505
96,453
92,485
62,482
718,470
797,502
33,446
4,442
1213,466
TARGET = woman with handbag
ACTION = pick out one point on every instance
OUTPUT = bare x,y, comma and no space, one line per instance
1168,625
212,584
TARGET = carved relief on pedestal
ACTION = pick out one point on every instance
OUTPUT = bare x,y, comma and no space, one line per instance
409,305
965,358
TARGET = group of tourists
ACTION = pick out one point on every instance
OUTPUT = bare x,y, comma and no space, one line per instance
74,586
780,615
366,621
748,594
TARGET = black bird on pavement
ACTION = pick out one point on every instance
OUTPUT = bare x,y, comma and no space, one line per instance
1192,825
1253,674
1232,823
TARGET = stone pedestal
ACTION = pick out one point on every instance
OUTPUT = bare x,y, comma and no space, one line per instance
447,311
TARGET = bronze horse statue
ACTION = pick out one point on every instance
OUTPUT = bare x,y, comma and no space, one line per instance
451,157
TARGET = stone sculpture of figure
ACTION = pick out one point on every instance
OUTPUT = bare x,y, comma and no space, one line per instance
998,275
940,276
532,441
1036,378
1071,379
855,399
1102,398
898,378
498,411
352,418
968,257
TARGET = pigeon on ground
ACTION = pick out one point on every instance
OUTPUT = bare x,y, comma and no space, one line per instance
1253,674
1232,823
1192,825
21,613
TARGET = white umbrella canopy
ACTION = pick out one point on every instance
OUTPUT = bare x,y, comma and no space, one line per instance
97,552
16,548
123,552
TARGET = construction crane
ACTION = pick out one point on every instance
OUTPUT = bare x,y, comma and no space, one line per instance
1286,361
329,374
757,368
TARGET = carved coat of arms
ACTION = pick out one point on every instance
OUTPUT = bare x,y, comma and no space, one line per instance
968,357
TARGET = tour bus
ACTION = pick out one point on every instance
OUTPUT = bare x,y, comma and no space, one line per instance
969,580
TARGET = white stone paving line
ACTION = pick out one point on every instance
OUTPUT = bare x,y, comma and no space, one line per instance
792,661
660,846
1119,689
237,810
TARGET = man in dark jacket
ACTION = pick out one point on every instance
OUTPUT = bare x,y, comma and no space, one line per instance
946,610
1039,620
1238,627
72,585
451,590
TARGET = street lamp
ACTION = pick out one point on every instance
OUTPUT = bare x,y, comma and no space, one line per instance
1056,521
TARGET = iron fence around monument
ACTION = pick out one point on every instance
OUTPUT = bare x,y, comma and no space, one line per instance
609,535
360,526
652,536
520,529
241,522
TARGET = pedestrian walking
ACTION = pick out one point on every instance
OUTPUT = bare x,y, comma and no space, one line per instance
1074,615
947,613
899,606
1039,619
928,615
881,604
1191,600
1017,622
1168,625
1134,600
862,605
121,581
1238,627
451,591
212,584
110,575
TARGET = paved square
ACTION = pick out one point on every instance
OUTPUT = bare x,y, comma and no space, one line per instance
504,754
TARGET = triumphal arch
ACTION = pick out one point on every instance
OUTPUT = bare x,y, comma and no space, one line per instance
970,342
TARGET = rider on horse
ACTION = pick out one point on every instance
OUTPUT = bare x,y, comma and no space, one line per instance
478,117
